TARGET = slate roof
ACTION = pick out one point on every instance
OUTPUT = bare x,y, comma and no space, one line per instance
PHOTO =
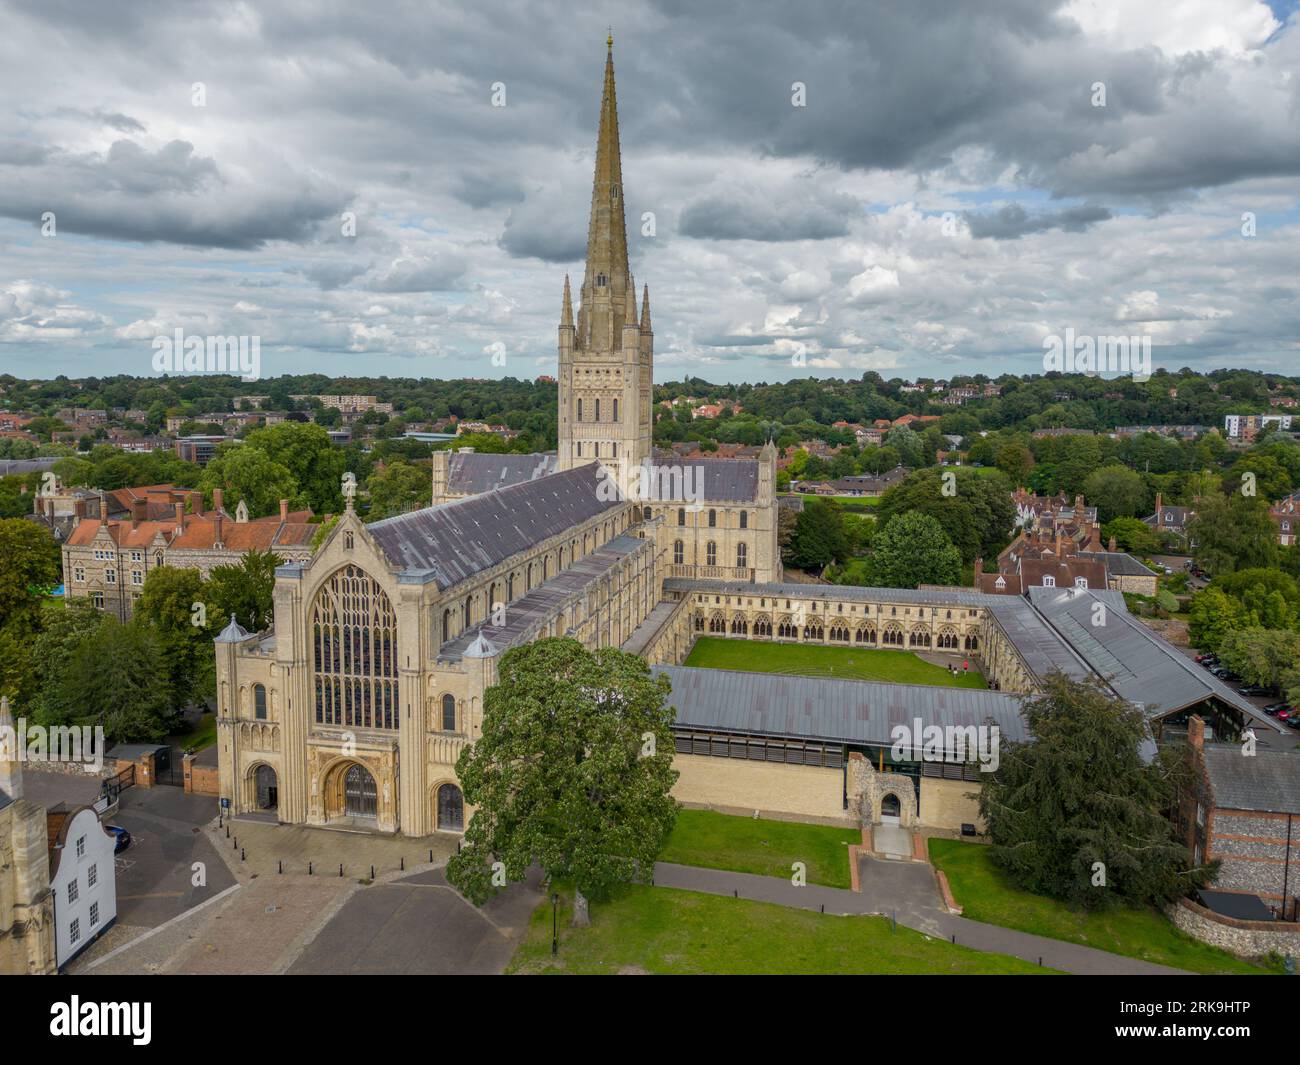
838,711
526,614
1136,663
1120,562
1267,781
721,480
456,540
475,472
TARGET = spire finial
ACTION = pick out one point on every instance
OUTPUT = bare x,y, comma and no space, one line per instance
609,41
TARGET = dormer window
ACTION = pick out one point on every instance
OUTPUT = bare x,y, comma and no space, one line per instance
1000,583
1081,582
1049,582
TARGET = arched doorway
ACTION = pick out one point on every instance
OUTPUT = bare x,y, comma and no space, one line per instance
360,796
890,809
266,785
451,809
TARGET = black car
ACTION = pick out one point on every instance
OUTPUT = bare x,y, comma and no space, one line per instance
1273,708
1293,721
1209,661
1252,689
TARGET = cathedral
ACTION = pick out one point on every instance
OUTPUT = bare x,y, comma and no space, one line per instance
353,709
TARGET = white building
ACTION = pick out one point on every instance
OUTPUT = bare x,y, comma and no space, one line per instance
83,880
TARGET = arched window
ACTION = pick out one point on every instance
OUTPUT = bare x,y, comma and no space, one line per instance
713,519
465,615
451,809
510,588
681,515
744,519
711,554
354,652
742,556
679,553
259,702
597,410
448,713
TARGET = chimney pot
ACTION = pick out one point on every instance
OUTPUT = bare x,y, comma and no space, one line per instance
180,514
196,501
217,499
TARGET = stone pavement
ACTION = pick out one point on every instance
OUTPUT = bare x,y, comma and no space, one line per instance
906,891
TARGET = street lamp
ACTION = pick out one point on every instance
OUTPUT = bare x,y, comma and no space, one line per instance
555,928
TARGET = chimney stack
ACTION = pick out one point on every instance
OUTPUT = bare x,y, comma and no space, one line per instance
180,515
979,570
196,503
217,516
217,499
284,510
139,511
1160,518
1113,545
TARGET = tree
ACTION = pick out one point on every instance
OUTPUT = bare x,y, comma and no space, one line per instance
1261,656
1211,616
64,625
311,458
1015,460
1116,492
1077,814
911,550
246,590
397,488
818,536
249,475
30,565
1233,532
572,772
167,606
114,679
1131,534
976,511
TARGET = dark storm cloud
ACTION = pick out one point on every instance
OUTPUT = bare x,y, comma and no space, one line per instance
738,216
170,195
1013,221
488,189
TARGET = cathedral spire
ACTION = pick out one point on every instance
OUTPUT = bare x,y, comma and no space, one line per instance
645,310
566,311
604,287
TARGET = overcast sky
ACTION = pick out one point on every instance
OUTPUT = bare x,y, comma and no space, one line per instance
948,196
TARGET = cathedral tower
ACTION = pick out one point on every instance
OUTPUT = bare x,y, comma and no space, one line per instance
606,355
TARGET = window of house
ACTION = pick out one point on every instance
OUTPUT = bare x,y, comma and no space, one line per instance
81,847
94,914
110,576
1081,582
78,573
679,552
137,577
1049,582
97,598
74,891
92,876
74,930
681,515
711,554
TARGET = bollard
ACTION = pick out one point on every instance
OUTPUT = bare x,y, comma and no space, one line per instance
227,832
309,868
735,893
340,868
403,863
281,865
823,907
372,872
1040,959
241,854
430,854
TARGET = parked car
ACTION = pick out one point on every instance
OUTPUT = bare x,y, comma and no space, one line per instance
1294,720
1206,656
1209,661
1252,689
122,836
1273,708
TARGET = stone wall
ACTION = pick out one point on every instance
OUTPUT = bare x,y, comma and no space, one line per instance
948,804
1246,939
775,790
201,779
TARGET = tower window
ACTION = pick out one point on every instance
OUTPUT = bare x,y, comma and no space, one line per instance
615,410
597,410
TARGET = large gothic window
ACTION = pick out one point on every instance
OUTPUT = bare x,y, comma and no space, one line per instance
354,653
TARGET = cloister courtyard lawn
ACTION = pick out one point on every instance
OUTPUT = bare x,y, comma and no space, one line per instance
768,848
985,894
663,930
808,660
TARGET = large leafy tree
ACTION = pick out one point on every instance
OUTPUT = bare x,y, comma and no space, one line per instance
397,488
911,550
572,772
251,476
311,458
1116,492
246,590
116,679
1211,616
167,606
29,566
1233,532
1261,656
1080,793
818,536
975,511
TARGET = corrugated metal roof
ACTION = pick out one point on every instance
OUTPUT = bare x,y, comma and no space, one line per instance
466,536
1137,664
1266,780
474,472
838,711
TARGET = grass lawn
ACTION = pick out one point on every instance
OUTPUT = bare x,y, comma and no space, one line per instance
743,845
984,893
204,734
662,930
809,660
